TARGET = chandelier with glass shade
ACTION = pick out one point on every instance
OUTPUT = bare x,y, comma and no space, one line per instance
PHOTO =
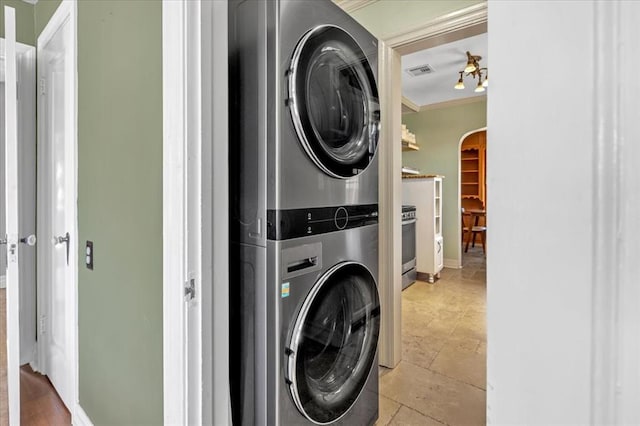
474,70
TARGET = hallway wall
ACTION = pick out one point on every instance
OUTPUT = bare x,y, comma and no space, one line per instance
541,173
119,208
3,231
25,32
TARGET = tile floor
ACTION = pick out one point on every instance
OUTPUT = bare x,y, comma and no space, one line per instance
441,378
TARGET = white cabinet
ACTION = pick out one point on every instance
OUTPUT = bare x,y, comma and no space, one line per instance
425,192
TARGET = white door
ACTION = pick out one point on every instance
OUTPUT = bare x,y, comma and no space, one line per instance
11,218
57,103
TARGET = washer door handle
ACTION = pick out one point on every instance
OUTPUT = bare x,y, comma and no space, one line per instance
288,352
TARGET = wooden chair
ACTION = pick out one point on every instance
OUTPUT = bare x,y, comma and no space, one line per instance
471,230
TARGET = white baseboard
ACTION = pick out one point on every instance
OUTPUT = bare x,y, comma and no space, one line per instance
452,263
80,418
34,364
3,281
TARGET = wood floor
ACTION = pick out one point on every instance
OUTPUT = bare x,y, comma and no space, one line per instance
4,410
40,404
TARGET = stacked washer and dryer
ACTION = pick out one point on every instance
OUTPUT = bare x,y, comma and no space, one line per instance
304,128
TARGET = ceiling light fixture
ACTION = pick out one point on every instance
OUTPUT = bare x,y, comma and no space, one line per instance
472,63
473,69
460,84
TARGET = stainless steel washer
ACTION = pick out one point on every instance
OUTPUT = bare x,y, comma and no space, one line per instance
330,328
304,330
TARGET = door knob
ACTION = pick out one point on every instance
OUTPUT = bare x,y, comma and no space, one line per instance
29,240
66,239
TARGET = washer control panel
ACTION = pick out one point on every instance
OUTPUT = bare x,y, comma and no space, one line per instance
287,224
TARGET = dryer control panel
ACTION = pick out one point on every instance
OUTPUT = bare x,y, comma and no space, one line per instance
296,223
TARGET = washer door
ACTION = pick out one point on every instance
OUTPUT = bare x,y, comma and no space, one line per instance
333,343
334,101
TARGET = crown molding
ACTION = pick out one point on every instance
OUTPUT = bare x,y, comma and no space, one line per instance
458,20
445,104
410,105
30,1
353,5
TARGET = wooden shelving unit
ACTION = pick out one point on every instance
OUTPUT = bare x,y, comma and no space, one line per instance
473,171
409,146
408,140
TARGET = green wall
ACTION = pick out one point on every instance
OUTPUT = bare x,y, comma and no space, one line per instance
120,210
43,12
438,133
25,32
119,207
388,17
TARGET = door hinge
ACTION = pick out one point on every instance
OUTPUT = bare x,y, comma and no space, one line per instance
43,86
190,289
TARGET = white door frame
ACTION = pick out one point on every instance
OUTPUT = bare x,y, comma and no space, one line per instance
26,71
10,167
455,25
195,234
66,12
26,121
615,342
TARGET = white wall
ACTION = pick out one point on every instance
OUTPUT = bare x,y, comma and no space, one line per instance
540,201
3,248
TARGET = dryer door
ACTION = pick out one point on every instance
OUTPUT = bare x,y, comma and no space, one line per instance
334,101
333,343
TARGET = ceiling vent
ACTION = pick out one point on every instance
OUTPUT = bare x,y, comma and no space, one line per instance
421,70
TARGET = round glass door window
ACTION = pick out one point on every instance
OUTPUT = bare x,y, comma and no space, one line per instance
333,343
334,102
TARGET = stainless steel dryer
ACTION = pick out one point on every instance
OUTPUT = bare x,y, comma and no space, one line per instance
306,338
304,108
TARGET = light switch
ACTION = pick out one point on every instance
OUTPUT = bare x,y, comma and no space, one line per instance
89,255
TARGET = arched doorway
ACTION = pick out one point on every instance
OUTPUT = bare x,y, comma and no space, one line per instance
472,172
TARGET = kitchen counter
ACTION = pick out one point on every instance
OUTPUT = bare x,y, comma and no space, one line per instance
421,176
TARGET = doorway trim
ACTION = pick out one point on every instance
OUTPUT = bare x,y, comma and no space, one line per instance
459,211
66,11
615,345
452,26
174,209
449,27
195,235
26,71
